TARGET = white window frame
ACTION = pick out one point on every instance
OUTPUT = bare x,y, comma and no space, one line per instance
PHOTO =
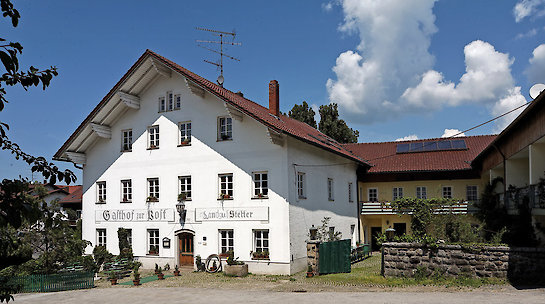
261,240
397,193
350,194
476,189
170,101
184,133
153,187
226,240
421,192
177,101
330,189
126,140
126,191
101,237
225,128
153,137
153,239
369,190
184,186
101,192
444,193
162,102
301,185
225,185
260,184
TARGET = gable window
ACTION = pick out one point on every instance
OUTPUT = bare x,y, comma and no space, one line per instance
101,237
126,145
227,240
153,137
153,241
447,192
185,133
225,186
162,104
397,193
177,101
372,194
301,191
330,189
471,193
185,186
101,192
153,190
170,101
261,184
421,192
350,199
261,244
225,128
126,191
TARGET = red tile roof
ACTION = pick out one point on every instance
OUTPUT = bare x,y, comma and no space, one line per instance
75,195
383,157
281,124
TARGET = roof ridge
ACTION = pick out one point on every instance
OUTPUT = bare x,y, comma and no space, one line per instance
417,140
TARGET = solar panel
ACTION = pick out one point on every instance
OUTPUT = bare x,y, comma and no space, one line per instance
459,144
430,146
402,148
444,145
416,147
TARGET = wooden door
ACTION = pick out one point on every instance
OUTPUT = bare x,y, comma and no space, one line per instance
185,248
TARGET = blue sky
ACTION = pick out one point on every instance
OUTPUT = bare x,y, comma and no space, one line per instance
397,68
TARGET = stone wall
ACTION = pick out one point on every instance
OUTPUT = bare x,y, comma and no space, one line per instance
404,259
313,256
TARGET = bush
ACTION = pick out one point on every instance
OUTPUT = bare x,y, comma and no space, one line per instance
102,255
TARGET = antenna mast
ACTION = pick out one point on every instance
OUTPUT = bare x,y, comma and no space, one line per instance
220,34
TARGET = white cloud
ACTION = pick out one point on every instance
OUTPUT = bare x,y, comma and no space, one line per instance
536,70
530,33
508,103
408,137
525,8
316,110
452,132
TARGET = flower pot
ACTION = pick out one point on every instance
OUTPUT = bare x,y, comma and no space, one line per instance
310,274
161,276
176,273
236,270
136,282
113,281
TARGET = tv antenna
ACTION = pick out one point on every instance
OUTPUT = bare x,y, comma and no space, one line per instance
221,42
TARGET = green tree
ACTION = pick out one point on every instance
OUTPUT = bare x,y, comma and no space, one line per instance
303,113
336,128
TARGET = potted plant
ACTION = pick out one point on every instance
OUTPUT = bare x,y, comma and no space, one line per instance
214,266
160,274
260,195
225,137
235,267
156,268
113,277
152,199
225,196
101,200
185,142
154,250
310,273
176,271
182,196
136,275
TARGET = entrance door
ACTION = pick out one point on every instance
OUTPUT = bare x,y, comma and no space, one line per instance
186,248
400,229
375,232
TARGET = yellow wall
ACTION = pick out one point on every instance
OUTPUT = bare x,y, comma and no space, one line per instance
384,221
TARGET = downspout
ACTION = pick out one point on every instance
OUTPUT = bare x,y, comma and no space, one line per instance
504,174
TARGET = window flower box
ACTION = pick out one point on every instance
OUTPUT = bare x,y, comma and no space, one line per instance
182,196
152,199
225,196
154,250
261,255
185,142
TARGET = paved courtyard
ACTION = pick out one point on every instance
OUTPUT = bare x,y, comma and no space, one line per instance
207,295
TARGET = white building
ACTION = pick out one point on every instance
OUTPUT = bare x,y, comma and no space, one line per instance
254,180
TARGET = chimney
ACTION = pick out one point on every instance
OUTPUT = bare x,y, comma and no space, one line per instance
274,98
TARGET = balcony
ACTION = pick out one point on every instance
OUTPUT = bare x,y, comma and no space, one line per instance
384,208
515,198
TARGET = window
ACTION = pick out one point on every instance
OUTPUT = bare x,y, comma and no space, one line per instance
447,192
101,192
101,237
225,128
350,198
261,184
372,194
301,191
421,192
126,191
261,241
185,133
471,193
170,101
185,186
162,104
397,193
153,189
177,101
153,132
126,145
330,189
227,241
226,186
153,241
